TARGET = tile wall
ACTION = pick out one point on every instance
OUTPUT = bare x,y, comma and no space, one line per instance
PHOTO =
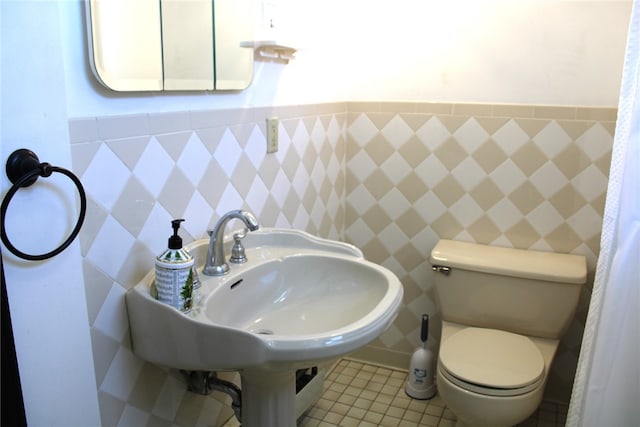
391,178
530,177
139,172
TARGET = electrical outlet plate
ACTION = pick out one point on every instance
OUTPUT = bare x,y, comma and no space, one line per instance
272,134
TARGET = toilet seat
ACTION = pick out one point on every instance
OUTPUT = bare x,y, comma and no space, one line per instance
491,362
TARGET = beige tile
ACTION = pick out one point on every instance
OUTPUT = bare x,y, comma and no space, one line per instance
552,112
449,191
486,194
512,111
522,235
567,201
450,154
378,184
434,108
526,198
484,230
599,114
571,161
379,149
563,239
489,156
529,158
472,110
414,151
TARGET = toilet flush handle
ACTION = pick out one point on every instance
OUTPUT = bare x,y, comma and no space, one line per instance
442,269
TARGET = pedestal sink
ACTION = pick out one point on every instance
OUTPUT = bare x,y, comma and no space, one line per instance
298,301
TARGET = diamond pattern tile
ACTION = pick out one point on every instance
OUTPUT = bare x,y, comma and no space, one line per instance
390,182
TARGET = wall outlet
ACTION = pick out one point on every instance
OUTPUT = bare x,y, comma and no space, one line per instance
272,134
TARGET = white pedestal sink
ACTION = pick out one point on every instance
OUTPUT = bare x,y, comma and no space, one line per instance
298,301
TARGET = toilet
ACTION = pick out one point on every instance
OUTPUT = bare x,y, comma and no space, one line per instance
503,314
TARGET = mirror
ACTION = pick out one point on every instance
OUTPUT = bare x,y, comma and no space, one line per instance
155,45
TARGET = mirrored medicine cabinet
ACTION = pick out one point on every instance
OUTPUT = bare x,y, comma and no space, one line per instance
170,45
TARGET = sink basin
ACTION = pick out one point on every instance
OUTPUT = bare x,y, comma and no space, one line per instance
298,300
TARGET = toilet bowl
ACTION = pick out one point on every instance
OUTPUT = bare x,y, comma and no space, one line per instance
504,311
489,377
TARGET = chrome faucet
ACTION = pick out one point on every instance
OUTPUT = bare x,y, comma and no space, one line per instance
216,263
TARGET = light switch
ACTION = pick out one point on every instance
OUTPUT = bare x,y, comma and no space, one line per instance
272,134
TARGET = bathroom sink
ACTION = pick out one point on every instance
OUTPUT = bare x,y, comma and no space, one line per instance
298,300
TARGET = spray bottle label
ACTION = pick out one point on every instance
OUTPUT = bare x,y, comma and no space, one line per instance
175,287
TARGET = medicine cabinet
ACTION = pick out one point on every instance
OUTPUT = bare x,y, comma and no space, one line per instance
171,45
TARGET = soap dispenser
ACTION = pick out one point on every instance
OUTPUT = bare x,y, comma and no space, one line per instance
174,273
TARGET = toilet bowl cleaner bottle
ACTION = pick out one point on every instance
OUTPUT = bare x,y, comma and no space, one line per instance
420,384
174,273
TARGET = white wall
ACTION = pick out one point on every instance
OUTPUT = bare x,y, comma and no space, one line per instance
47,299
549,52
533,52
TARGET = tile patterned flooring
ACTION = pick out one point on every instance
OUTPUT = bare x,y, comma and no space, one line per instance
358,394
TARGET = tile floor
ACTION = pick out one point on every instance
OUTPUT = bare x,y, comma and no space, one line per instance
360,394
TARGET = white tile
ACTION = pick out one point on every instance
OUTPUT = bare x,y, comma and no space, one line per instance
300,138
429,207
318,135
510,137
433,133
471,135
120,377
228,153
197,215
318,175
586,222
362,130
194,159
132,416
154,167
361,199
256,148
167,404
361,166
393,238
105,177
359,233
431,171
548,179
394,204
301,181
257,196
301,218
595,142
229,201
395,168
504,214
280,188
112,318
552,139
507,177
544,218
111,247
468,173
156,229
466,211
590,183
397,132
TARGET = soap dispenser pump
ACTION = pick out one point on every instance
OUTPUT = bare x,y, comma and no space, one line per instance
174,273
420,384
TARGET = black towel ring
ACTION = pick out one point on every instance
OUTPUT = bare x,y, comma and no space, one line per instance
23,169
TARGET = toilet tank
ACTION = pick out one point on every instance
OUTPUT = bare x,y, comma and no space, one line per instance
527,292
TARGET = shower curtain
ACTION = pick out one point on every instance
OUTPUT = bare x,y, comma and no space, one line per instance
606,391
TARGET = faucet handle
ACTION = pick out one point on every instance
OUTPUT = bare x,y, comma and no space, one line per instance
238,255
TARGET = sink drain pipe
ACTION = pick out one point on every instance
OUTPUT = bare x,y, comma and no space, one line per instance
204,382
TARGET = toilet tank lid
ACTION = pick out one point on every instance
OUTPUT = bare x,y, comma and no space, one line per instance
529,264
